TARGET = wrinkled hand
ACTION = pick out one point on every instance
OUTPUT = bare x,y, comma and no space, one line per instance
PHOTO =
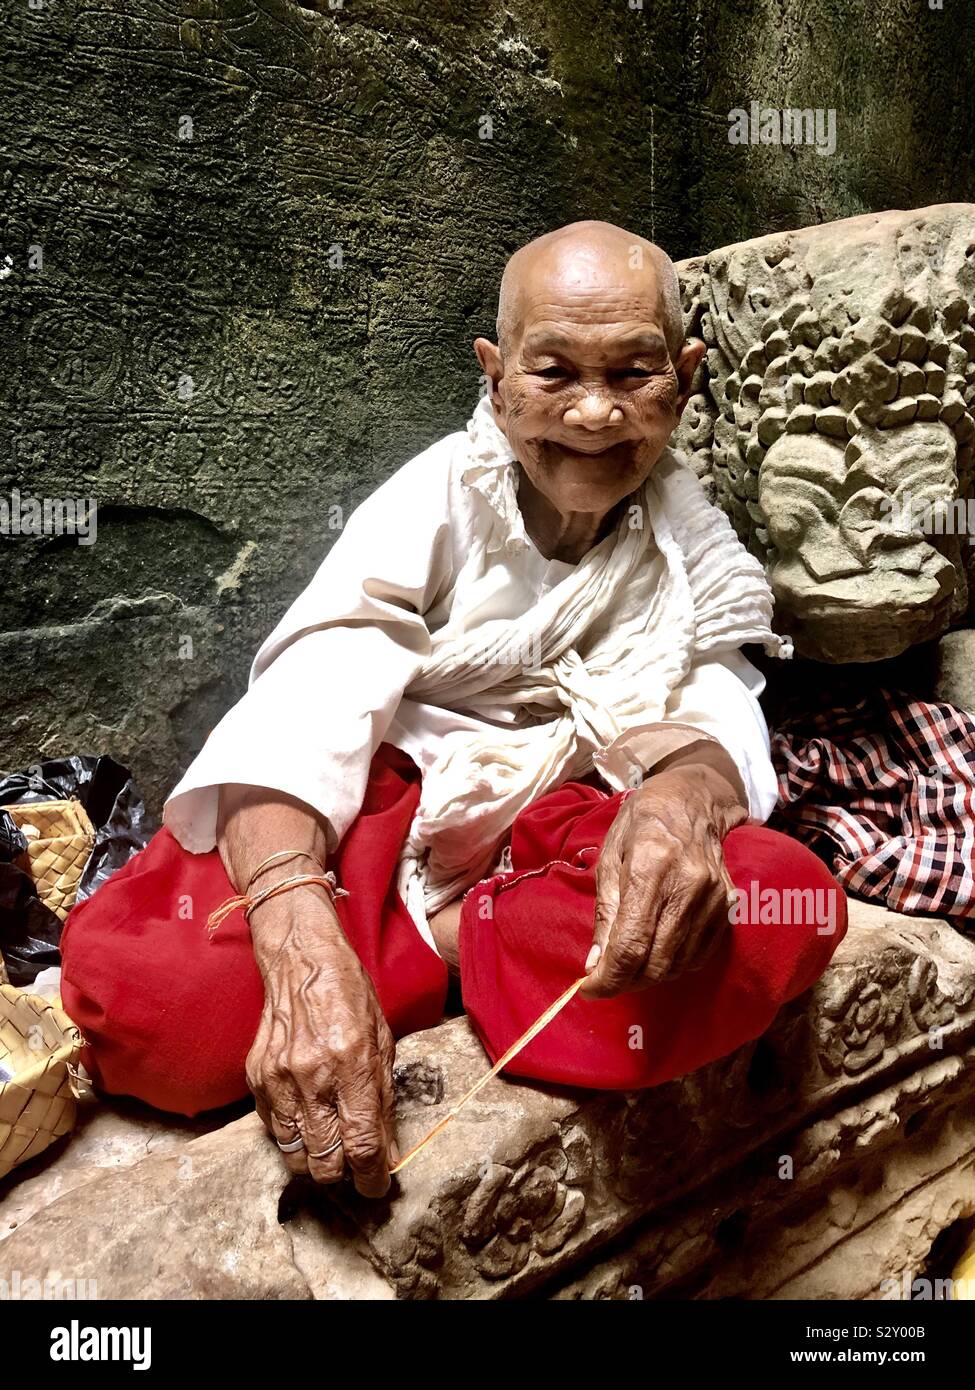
662,889
322,1063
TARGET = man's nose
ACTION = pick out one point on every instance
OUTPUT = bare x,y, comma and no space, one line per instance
593,411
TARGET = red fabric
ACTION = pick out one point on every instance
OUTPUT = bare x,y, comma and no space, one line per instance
169,1012
525,936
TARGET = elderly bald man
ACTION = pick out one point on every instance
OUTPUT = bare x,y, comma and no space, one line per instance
507,733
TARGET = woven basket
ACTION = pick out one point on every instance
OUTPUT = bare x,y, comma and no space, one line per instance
59,840
39,1050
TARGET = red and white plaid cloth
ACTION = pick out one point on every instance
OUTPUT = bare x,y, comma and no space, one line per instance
885,792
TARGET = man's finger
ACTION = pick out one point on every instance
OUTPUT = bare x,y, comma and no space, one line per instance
607,906
710,921
624,957
323,1140
285,1131
684,917
364,1138
388,1099
711,916
264,1111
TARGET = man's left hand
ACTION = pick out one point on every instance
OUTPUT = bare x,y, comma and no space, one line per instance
662,889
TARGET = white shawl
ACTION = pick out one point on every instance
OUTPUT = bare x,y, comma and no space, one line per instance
596,658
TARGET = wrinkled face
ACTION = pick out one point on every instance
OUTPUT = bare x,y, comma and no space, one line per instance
589,396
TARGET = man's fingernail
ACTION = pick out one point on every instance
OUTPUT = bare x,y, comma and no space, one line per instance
394,1154
593,957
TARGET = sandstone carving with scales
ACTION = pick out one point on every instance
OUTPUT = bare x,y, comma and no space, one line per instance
839,382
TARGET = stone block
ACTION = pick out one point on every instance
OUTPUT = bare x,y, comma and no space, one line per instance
526,1186
867,435
955,670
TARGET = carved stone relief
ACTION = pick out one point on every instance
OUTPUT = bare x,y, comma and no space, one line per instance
834,421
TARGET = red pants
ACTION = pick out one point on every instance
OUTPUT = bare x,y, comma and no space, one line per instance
169,1012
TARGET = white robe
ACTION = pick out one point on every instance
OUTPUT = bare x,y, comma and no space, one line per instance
435,624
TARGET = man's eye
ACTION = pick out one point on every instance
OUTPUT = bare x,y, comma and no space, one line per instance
552,373
640,372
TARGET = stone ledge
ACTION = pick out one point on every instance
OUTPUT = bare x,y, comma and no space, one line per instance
528,1181
775,1226
529,1184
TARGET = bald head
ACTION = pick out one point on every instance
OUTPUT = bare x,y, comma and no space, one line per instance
591,372
586,258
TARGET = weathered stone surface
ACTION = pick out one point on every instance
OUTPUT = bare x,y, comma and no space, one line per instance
527,1185
837,1210
903,1208
836,414
198,1222
955,669
189,352
108,1136
76,684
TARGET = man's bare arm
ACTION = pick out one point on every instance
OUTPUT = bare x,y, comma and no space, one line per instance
707,753
256,822
322,1062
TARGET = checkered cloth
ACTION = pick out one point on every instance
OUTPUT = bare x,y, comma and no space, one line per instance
885,792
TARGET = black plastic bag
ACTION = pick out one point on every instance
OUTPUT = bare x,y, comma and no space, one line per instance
29,931
13,842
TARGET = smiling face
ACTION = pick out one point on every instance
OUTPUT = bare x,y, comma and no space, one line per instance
592,373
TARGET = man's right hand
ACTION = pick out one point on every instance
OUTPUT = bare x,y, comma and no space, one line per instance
321,1065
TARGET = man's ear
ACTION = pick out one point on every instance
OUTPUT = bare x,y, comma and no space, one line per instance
686,365
492,364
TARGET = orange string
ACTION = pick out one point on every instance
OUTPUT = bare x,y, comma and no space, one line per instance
541,1022
248,903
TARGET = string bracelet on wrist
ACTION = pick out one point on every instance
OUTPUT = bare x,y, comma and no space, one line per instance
249,902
